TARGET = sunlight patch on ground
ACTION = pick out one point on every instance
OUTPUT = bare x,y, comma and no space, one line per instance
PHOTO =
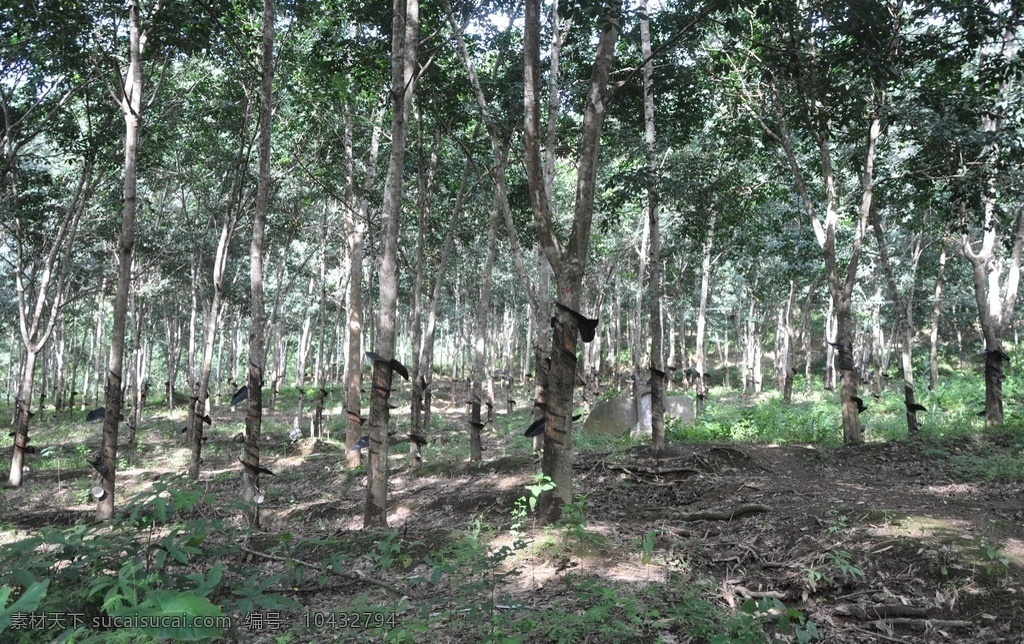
1014,549
13,536
920,526
954,489
400,515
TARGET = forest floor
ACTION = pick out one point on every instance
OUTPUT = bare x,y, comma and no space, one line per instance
884,542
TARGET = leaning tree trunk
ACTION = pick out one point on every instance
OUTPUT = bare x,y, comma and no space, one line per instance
37,318
537,295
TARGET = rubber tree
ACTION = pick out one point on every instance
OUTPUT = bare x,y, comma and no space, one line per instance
971,139
129,97
811,94
251,469
657,366
45,109
404,45
568,260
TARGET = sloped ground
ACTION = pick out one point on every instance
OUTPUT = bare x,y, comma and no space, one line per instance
879,543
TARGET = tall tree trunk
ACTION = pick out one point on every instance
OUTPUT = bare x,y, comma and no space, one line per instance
138,356
569,262
701,363
21,417
130,99
305,339
657,363
538,294
200,404
172,335
427,172
784,350
933,335
405,40
90,386
825,233
251,496
904,323
483,306
830,346
426,362
995,301
355,230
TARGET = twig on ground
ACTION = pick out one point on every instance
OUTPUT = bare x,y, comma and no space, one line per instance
357,576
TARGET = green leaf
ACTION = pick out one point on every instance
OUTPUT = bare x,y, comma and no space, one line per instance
28,602
175,615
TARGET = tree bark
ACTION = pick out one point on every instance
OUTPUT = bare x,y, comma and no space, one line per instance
355,231
251,496
567,262
904,323
130,99
483,306
199,414
933,335
657,362
701,359
405,39
995,300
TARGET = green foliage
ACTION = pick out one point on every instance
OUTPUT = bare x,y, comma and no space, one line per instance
769,421
390,550
839,567
543,484
26,603
786,621
995,561
158,571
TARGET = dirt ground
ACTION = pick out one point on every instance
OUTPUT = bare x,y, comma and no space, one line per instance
877,543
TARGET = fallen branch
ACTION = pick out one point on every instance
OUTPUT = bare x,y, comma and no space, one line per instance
875,635
724,515
357,576
880,611
637,471
922,624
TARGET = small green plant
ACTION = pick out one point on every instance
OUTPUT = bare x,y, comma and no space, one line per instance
646,544
841,561
839,565
574,524
815,576
836,522
995,561
526,505
389,550
787,621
